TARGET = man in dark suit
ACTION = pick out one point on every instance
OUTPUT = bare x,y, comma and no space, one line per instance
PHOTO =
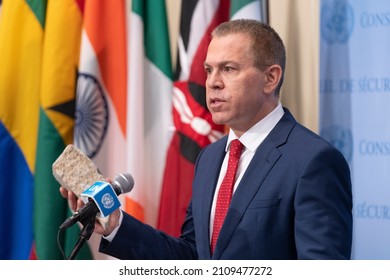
292,195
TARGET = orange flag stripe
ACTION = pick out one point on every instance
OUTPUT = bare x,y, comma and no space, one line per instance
134,208
109,43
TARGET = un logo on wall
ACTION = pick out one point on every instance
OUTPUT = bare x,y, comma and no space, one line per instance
337,21
91,115
341,138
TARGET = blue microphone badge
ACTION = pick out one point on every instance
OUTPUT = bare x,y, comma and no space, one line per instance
104,197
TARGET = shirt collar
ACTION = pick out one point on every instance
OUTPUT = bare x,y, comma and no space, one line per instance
252,138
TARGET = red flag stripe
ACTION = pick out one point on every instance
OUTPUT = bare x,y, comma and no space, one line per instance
197,73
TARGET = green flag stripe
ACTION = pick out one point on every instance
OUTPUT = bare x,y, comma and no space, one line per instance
236,5
137,7
50,145
156,35
39,9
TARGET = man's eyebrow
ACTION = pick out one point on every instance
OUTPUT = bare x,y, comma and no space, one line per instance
219,64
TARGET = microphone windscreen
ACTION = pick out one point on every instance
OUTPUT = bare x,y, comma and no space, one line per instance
124,183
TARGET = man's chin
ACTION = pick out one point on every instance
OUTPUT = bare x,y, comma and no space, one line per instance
219,120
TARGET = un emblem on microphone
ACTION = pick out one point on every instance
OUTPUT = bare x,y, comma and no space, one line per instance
92,115
341,138
107,201
337,21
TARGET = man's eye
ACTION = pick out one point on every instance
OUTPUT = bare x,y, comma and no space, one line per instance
227,68
207,70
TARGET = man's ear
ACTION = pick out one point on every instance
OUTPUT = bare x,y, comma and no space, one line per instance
273,75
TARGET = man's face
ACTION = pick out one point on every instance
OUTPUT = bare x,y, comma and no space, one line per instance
234,86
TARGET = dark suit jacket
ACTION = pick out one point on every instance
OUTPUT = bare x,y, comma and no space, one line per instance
293,202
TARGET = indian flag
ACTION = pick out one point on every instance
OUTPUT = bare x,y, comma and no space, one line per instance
101,94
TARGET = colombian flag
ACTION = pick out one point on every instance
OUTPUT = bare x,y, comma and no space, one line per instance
21,50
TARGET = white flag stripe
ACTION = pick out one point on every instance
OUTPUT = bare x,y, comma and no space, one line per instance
203,14
135,108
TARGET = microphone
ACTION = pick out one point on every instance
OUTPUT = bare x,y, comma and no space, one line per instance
101,197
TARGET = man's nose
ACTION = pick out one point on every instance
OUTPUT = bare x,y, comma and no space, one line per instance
214,80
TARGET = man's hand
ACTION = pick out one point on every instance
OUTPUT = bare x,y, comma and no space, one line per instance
75,204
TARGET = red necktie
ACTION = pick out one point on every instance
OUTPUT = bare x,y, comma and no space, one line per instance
226,190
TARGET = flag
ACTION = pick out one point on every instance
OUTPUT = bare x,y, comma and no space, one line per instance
100,129
254,9
60,59
101,94
149,106
193,125
21,59
194,128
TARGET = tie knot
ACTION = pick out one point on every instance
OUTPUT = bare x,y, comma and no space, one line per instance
235,148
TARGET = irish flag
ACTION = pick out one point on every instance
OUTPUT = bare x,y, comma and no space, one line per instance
149,120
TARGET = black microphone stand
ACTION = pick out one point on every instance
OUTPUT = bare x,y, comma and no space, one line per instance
85,233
